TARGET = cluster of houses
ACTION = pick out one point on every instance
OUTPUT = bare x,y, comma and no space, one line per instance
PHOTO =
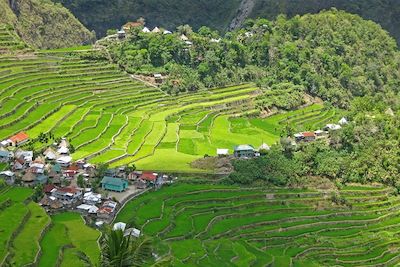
248,151
55,170
311,136
243,151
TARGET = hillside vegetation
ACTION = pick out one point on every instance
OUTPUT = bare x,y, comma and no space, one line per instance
43,24
333,55
101,15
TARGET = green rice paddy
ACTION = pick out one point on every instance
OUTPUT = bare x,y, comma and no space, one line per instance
110,117
208,225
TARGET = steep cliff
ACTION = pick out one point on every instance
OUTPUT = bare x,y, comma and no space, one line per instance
44,24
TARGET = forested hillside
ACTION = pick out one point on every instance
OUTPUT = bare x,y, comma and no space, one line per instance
101,15
43,24
332,55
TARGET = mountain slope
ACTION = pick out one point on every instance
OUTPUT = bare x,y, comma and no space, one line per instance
100,15
43,24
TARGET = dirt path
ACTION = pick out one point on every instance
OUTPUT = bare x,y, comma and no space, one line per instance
243,12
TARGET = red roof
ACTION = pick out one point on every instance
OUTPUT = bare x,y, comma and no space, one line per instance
19,137
70,189
309,134
148,176
48,187
73,168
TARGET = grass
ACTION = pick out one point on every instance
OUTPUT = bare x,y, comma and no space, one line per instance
209,225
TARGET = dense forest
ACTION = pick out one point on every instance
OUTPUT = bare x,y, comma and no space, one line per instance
43,24
100,15
332,55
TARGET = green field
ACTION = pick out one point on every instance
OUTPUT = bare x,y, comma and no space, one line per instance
206,225
30,236
109,117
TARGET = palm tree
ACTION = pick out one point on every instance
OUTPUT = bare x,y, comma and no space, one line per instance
118,250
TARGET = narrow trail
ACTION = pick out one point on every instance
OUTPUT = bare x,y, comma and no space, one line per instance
243,12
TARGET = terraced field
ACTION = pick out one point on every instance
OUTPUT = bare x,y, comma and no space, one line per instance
205,225
25,240
110,117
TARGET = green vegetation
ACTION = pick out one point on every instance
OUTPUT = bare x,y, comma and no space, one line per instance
212,225
43,24
287,58
219,14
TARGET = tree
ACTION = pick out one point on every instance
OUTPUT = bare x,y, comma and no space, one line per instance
118,250
80,181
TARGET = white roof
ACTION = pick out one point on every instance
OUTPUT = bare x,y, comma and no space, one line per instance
156,30
298,135
222,151
119,226
167,32
132,232
333,126
7,173
52,198
93,209
51,155
319,132
5,142
184,37
121,31
37,165
213,40
64,159
264,146
99,223
188,42
63,150
84,207
145,29
157,75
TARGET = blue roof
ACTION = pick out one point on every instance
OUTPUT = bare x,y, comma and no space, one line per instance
4,154
42,179
113,181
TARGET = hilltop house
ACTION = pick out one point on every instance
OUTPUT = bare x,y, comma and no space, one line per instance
309,136
114,184
19,139
222,152
244,151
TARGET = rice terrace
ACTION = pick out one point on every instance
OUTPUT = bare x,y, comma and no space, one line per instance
109,117
274,143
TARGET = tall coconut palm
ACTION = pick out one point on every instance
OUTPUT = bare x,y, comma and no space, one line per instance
118,250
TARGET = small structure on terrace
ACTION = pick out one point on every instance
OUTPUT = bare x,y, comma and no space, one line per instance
244,151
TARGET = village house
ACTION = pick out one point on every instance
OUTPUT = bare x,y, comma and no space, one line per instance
27,156
244,151
89,209
5,143
67,195
121,34
19,139
107,210
64,161
158,78
114,184
91,198
222,152
5,156
50,154
309,136
149,177
8,177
